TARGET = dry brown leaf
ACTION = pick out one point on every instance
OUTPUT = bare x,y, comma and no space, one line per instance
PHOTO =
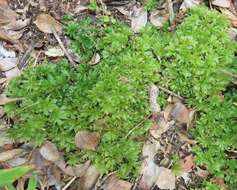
158,18
187,163
139,18
50,152
3,3
113,183
87,140
5,36
87,181
13,73
201,173
80,8
180,113
68,170
7,15
80,170
16,162
47,23
10,154
7,64
184,138
222,3
4,100
4,139
231,16
166,179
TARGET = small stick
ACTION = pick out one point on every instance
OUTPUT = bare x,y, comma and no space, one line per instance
138,125
62,46
69,183
22,62
171,93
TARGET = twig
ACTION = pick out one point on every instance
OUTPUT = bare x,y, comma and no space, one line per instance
69,183
62,46
171,93
171,11
138,125
22,62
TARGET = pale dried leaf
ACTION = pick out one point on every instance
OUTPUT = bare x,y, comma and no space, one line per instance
114,183
16,162
158,19
80,8
4,100
13,73
7,64
124,11
139,18
87,140
80,170
231,16
10,154
201,173
50,152
149,170
3,3
187,163
5,36
47,23
68,170
95,59
222,3
4,53
187,4
17,25
166,179
87,181
42,5
7,15
54,52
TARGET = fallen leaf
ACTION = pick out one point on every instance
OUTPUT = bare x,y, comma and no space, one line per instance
50,152
17,25
80,8
7,15
4,100
114,183
201,173
158,18
10,154
88,180
4,53
68,170
222,3
80,170
139,18
149,170
187,163
3,3
16,162
13,73
187,4
54,52
178,112
166,179
87,140
7,64
95,59
124,11
231,16
47,23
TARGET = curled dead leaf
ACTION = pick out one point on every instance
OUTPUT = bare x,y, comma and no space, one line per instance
222,3
54,52
113,183
10,154
159,18
50,152
87,140
95,59
47,23
187,4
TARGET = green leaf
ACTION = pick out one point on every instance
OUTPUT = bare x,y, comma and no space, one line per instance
8,176
32,183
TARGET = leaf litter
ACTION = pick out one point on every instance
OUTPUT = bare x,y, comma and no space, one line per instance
166,139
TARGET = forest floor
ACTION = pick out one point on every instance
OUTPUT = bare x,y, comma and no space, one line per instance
39,32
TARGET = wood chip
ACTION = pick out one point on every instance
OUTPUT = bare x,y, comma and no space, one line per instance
87,140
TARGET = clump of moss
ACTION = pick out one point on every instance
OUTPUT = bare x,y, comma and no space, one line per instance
111,97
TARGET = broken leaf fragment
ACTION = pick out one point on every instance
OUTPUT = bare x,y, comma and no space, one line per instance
114,183
10,154
47,24
87,140
4,100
